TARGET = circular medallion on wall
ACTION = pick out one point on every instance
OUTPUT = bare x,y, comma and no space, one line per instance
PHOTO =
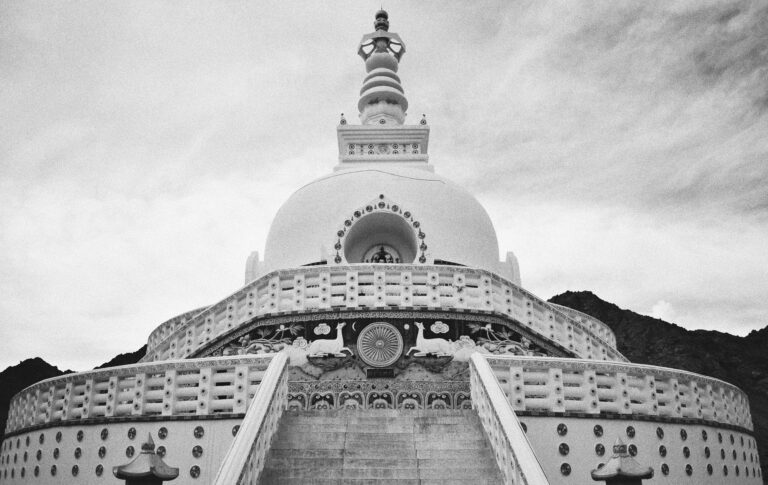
379,344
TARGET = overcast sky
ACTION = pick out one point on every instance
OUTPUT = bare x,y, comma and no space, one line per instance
145,147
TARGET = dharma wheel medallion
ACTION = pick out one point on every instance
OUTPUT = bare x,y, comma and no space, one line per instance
380,344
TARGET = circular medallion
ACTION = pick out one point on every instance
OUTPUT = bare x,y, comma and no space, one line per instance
380,344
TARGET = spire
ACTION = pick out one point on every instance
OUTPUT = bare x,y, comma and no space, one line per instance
382,99
382,136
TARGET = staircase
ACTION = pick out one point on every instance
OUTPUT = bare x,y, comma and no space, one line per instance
381,447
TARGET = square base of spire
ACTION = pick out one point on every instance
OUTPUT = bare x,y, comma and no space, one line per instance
363,144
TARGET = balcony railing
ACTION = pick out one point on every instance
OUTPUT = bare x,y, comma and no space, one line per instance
211,386
580,386
372,286
514,455
593,324
247,454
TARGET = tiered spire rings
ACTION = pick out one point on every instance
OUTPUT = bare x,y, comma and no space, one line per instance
382,99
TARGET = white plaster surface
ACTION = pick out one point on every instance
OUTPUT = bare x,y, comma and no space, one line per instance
457,227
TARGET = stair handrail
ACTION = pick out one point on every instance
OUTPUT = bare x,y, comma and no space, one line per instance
246,456
514,454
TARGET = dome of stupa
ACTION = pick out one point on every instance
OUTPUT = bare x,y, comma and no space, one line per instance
410,211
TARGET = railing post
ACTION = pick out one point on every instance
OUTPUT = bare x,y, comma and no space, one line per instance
298,291
406,293
486,293
379,289
273,289
169,396
695,400
622,389
433,289
650,388
139,386
593,404
65,411
517,388
241,389
557,398
204,390
325,290
352,289
37,405
88,398
674,389
112,391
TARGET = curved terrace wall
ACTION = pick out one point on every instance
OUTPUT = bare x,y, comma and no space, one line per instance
367,286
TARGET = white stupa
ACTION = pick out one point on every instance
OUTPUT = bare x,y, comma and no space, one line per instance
381,339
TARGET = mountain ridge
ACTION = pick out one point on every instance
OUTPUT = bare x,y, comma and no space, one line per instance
30,371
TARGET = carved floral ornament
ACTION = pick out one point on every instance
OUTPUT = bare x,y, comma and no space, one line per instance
381,204
439,327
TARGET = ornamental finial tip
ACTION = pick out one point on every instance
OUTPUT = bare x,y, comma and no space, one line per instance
149,445
382,20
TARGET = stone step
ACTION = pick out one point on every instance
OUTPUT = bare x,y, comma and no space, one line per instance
467,474
457,456
491,480
312,427
372,472
347,481
452,445
381,447
353,462
477,480
297,460
447,428
363,418
301,474
482,460
309,443
305,453
386,454
379,425
291,434
377,473
392,413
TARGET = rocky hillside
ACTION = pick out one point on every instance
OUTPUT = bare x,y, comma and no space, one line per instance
15,378
739,360
125,359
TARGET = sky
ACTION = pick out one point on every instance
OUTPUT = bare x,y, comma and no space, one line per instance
618,147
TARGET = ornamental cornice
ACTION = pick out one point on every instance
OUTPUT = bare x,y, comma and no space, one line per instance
469,316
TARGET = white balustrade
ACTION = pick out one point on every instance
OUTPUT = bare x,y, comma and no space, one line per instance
586,386
247,454
380,286
168,327
513,452
593,324
210,386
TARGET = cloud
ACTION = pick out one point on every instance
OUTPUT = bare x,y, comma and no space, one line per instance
663,310
145,148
